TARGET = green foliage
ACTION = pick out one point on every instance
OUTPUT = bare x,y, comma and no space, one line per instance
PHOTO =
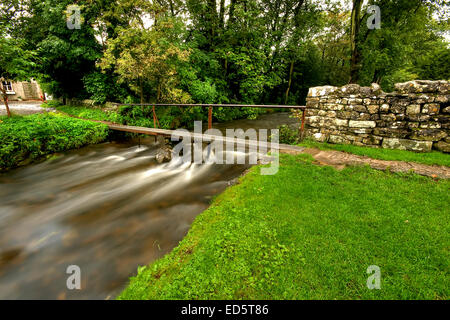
16,63
51,104
103,88
92,113
65,56
288,135
310,232
32,137
148,57
203,91
408,46
255,51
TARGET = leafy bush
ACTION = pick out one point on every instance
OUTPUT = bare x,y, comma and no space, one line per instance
92,113
51,104
102,88
34,136
288,135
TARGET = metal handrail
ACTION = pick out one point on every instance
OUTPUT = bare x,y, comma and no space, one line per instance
211,106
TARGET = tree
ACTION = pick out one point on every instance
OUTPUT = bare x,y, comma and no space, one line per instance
354,34
148,57
388,55
15,63
65,55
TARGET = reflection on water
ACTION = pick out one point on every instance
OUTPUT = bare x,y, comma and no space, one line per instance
107,208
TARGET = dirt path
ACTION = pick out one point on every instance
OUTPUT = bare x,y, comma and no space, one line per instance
340,160
23,108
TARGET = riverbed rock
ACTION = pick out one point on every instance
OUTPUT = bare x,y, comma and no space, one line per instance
164,154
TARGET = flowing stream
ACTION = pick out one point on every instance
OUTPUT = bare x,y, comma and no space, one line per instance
107,209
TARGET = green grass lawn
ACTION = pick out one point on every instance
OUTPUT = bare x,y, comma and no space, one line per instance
91,113
431,158
310,232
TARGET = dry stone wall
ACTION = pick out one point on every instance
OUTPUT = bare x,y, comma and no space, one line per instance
416,116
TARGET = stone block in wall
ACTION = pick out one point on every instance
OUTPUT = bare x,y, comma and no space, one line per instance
320,137
413,109
355,101
312,112
413,125
312,104
357,108
372,140
423,86
428,134
313,121
341,122
376,89
338,139
390,132
333,107
390,117
364,116
360,131
446,110
327,113
321,91
398,108
442,146
361,124
430,125
442,99
384,108
344,114
351,89
406,144
373,108
423,98
431,108
398,125
418,117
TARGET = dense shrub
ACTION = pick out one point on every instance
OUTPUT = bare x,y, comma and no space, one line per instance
92,113
288,135
34,136
51,104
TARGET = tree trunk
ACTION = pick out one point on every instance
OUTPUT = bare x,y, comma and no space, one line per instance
158,93
212,22
141,90
354,32
291,71
231,13
222,14
5,99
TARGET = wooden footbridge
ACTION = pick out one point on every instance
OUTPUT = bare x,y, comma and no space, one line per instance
156,131
207,137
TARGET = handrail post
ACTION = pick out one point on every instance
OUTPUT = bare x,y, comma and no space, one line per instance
210,117
302,127
154,117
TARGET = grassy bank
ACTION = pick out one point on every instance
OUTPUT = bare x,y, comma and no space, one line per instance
27,138
430,158
310,232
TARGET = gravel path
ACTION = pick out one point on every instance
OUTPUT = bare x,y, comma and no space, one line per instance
23,108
